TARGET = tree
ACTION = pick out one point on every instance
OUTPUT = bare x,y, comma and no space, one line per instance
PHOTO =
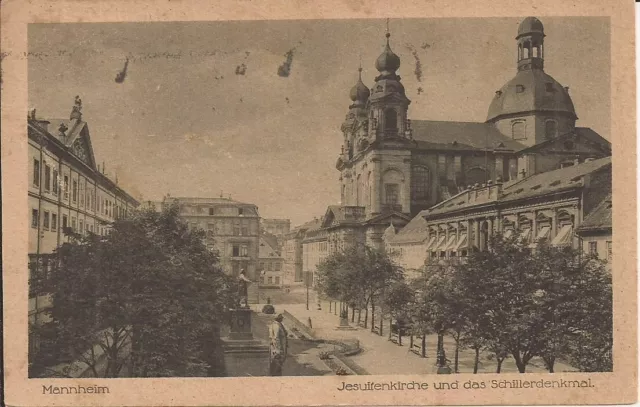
536,302
357,275
149,296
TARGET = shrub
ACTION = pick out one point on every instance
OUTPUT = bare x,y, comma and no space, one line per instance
268,309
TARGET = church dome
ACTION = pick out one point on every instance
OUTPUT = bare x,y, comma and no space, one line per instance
530,25
359,92
387,61
531,91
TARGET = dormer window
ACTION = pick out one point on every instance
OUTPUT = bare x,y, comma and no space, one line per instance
519,88
549,87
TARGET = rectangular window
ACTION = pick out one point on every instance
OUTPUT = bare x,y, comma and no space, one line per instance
277,280
269,266
73,224
244,250
210,211
244,231
240,211
74,191
35,219
391,194
593,248
47,178
55,182
36,173
66,187
54,222
262,280
236,229
269,280
609,250
82,195
45,220
278,266
64,222
236,250
81,227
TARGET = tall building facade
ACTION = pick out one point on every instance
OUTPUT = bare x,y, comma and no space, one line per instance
292,251
67,191
392,167
232,228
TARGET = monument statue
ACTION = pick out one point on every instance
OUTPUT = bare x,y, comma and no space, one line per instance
243,284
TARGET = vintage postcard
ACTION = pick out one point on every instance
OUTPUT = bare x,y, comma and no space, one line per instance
345,203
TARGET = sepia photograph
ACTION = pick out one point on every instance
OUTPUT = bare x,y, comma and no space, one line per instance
397,208
428,206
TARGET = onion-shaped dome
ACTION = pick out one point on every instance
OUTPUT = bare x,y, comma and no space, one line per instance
530,25
387,61
531,91
360,92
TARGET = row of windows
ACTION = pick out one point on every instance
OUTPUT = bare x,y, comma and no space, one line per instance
519,130
271,265
240,250
234,228
593,249
81,195
270,280
50,222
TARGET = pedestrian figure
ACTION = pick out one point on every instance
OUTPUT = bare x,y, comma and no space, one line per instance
277,347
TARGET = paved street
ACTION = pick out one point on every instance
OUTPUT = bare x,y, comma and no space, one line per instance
380,356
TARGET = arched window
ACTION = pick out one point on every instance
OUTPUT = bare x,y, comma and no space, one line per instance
550,129
390,119
519,52
518,131
536,52
527,47
420,183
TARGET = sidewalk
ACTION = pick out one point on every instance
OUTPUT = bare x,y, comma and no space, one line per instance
380,356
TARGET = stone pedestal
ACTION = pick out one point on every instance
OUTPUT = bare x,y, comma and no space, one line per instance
344,325
244,355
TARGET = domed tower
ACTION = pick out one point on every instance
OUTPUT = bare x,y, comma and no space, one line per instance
388,102
355,126
532,107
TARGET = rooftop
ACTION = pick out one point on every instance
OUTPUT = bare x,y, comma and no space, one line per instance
535,185
600,218
414,232
430,134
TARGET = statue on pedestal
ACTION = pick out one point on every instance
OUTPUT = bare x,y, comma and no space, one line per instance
243,284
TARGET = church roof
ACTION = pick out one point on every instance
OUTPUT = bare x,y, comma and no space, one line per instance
431,134
531,90
536,185
530,25
414,232
601,218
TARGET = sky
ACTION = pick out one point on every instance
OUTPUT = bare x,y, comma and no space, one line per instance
206,108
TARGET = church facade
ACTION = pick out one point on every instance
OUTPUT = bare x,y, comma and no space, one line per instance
393,167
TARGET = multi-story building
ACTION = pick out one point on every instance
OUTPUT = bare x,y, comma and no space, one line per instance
292,252
596,231
66,191
391,167
315,247
547,206
232,228
271,262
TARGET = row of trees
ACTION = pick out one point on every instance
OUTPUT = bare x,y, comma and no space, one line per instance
149,297
509,301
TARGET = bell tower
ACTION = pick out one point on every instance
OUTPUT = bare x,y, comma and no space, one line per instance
388,101
530,41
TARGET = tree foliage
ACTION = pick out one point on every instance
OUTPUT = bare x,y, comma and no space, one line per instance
149,296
